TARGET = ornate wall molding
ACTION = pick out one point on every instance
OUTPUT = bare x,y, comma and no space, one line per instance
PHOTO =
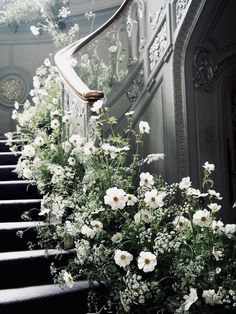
180,6
158,47
204,69
156,17
181,43
136,86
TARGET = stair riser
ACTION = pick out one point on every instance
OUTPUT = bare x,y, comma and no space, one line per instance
13,212
18,191
27,272
8,159
7,174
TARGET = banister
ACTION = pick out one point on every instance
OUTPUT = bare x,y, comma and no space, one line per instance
69,75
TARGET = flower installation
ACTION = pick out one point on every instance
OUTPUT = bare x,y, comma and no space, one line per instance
154,247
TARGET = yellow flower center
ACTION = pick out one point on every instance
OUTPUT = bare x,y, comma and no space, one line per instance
147,261
115,199
203,218
153,199
123,257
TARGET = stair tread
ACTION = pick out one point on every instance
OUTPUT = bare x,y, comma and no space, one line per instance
41,291
17,182
20,201
7,167
21,225
10,153
16,255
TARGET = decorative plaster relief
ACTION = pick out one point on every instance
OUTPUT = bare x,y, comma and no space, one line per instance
158,47
203,69
157,16
180,6
12,88
135,87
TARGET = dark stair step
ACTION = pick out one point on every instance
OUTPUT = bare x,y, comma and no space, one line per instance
6,148
27,268
7,174
18,189
10,239
12,210
9,158
47,298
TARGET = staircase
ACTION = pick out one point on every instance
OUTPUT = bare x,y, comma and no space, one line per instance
25,280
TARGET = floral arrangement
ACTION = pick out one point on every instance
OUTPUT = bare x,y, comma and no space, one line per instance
157,247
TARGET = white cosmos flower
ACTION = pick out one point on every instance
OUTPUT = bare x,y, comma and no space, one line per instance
181,222
230,230
97,225
217,254
131,199
55,124
86,230
202,218
217,226
28,151
185,183
144,127
39,141
71,161
89,149
34,30
117,237
109,150
97,106
68,279
214,207
146,179
190,299
76,140
209,167
210,297
147,261
195,193
215,194
116,198
143,215
154,199
66,118
123,258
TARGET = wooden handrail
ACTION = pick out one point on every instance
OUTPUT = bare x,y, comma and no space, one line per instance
63,61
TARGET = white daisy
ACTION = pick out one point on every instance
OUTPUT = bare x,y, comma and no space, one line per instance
146,179
185,183
55,124
117,237
154,199
144,127
97,225
116,198
123,258
71,161
89,149
39,141
147,261
202,218
76,140
131,200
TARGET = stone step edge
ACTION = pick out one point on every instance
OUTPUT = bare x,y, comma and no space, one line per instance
25,294
20,201
17,225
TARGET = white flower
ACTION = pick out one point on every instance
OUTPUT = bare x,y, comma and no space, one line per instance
202,218
123,258
130,113
185,183
131,199
217,226
64,12
117,237
144,127
76,140
27,173
215,194
123,149
209,167
86,230
70,228
147,261
39,141
230,230
217,254
55,124
214,207
68,279
195,193
97,225
14,114
116,198
89,149
190,299
109,150
181,222
16,105
143,215
28,151
71,161
57,170
97,106
47,62
146,179
153,157
66,118
34,30
210,297
66,146
154,200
